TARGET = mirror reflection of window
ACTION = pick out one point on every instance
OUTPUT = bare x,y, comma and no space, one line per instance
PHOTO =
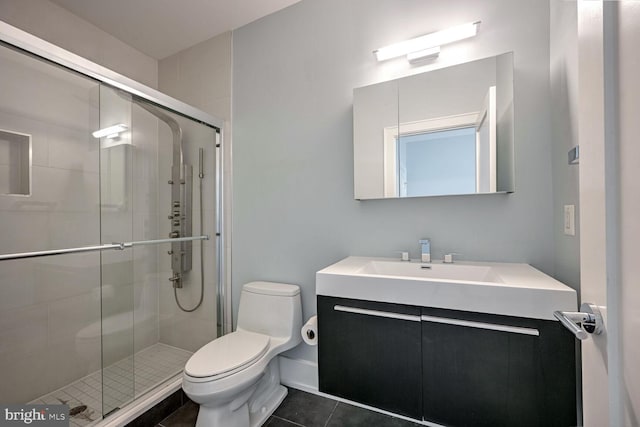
437,163
443,155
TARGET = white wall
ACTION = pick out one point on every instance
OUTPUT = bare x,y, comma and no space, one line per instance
294,73
56,25
628,34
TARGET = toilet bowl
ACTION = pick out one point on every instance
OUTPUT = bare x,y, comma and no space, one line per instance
236,378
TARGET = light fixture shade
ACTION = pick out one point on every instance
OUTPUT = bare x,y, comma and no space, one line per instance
428,41
111,131
423,54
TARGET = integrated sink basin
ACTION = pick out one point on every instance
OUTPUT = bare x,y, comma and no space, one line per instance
434,271
485,287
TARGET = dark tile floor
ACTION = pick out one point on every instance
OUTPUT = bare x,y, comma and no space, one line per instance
303,410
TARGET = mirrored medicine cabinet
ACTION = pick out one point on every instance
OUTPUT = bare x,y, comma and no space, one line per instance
443,132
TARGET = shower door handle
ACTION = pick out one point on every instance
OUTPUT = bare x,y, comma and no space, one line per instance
589,316
111,246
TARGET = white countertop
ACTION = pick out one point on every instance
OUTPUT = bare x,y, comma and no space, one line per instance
509,289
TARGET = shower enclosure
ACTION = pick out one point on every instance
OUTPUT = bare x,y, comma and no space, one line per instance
110,233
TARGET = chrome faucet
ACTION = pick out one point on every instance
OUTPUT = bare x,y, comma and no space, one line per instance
426,250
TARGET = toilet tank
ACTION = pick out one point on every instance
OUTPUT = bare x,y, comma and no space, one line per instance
272,309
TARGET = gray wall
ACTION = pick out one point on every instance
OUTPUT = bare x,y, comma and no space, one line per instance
564,126
294,73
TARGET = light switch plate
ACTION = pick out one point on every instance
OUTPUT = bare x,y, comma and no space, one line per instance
570,220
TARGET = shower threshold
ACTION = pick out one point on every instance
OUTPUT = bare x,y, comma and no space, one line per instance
153,366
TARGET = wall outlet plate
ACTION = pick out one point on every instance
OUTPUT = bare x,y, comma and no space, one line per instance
570,220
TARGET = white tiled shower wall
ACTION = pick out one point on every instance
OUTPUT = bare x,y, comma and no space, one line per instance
201,76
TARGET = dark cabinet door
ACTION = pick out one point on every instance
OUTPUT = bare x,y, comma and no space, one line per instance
371,353
487,370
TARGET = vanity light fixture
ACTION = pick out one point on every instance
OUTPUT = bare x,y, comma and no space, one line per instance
425,46
110,132
432,52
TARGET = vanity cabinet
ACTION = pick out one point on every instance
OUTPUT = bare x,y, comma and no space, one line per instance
490,370
453,368
370,353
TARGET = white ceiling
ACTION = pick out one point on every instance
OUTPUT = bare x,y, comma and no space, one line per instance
160,28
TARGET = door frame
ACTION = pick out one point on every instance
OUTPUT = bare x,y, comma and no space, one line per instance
600,209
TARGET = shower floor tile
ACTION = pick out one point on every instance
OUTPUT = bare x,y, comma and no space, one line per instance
153,365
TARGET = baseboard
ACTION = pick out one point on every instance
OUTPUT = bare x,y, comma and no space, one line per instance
299,373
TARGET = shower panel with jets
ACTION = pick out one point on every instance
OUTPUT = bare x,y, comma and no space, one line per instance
181,207
103,293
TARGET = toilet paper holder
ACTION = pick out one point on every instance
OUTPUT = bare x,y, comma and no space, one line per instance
309,331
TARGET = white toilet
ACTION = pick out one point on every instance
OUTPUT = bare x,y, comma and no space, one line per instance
236,378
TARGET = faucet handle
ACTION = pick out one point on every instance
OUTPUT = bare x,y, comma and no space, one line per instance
425,252
404,255
448,258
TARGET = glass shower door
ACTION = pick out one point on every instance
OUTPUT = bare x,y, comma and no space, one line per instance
158,182
117,267
49,185
117,191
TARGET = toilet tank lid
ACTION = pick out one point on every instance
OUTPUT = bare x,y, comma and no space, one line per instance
271,288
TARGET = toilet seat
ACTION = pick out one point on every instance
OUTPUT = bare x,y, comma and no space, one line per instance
227,355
